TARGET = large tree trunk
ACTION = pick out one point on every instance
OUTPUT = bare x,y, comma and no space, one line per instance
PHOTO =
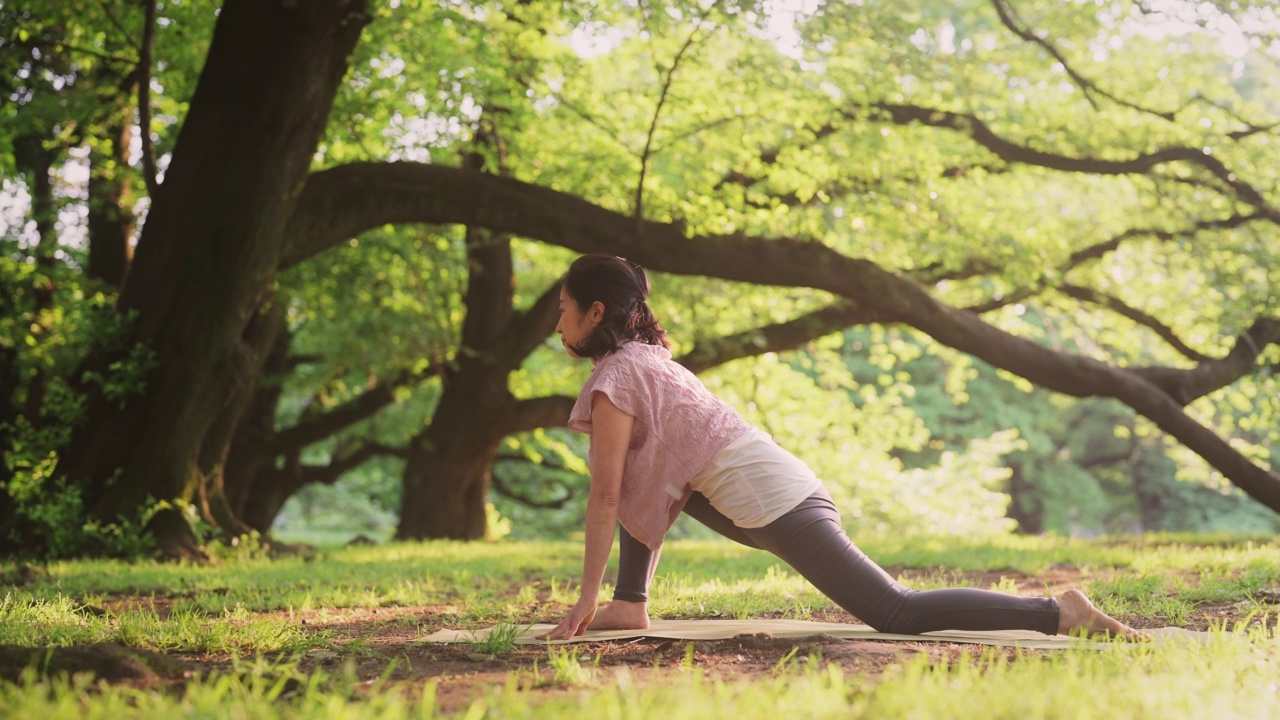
445,492
261,341
446,476
271,491
210,249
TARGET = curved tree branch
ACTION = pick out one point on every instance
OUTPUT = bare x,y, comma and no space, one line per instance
526,330
936,273
1250,130
504,489
540,412
779,337
970,125
1004,300
342,202
338,466
321,426
1185,386
1102,248
500,486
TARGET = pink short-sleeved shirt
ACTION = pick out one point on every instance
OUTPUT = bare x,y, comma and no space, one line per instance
679,427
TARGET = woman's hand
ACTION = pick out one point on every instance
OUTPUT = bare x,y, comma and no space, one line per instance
576,623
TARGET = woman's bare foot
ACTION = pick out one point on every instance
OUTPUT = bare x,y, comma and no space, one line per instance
1076,614
621,615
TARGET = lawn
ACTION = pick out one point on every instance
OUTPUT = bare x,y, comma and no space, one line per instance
337,633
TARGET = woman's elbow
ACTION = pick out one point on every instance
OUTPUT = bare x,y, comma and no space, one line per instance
605,499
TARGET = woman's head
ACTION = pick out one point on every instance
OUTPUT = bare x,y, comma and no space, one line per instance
603,302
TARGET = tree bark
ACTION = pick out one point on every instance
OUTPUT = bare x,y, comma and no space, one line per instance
260,343
444,491
209,251
110,216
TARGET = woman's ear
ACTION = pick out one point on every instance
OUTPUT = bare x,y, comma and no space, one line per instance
596,312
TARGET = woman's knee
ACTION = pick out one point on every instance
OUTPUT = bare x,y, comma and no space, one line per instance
891,614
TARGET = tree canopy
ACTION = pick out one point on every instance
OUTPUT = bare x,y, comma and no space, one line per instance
343,222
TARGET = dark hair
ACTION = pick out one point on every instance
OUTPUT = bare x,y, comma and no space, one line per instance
623,288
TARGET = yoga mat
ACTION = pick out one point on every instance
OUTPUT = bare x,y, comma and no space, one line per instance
726,629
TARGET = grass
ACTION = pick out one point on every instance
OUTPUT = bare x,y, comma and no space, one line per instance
501,638
62,621
1235,675
245,615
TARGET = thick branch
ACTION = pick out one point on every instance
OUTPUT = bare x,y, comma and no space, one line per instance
340,203
321,426
1184,386
1013,153
528,329
778,337
338,466
541,412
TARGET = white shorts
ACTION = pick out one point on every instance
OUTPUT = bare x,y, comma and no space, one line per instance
753,481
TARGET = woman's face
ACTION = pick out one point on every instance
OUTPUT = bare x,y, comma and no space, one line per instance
576,325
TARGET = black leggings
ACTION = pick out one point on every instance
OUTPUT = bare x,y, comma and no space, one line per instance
810,539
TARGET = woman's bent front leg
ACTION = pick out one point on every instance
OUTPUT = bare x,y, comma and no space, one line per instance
629,609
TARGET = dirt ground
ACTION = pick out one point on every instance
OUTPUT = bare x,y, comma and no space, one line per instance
385,643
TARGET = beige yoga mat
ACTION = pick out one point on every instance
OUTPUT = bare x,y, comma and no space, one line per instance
725,629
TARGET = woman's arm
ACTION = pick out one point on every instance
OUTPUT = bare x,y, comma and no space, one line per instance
610,438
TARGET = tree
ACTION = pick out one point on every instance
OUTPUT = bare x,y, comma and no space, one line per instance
207,256
929,166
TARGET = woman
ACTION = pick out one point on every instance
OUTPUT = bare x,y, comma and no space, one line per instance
661,443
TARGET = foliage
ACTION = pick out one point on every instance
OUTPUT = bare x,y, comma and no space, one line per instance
738,117
1083,467
41,407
